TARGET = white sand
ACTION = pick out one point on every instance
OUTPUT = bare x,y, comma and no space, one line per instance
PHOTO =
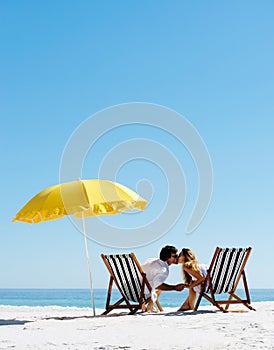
49,328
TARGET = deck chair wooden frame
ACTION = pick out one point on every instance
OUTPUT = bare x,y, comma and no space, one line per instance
128,276
225,271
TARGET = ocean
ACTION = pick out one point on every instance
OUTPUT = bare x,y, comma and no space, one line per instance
81,297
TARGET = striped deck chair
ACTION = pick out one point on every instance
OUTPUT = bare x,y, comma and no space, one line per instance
126,272
224,273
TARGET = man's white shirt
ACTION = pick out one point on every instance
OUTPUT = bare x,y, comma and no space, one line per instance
157,272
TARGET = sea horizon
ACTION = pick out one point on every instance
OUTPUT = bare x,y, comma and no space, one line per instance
81,298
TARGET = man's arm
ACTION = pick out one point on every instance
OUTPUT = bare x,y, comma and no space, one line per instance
178,287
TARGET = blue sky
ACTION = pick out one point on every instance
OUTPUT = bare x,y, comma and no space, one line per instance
63,61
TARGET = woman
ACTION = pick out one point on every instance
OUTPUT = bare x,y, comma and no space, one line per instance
194,274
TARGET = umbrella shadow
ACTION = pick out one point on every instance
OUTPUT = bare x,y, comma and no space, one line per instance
13,322
65,318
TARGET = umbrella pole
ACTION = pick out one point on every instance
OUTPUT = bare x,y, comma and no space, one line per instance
88,261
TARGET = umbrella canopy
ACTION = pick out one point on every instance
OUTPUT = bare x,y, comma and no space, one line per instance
82,198
88,197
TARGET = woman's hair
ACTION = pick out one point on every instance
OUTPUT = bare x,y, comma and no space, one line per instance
190,262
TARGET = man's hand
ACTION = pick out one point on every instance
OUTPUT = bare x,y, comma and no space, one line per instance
179,287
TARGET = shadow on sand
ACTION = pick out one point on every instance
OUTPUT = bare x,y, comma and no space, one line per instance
13,322
169,314
116,314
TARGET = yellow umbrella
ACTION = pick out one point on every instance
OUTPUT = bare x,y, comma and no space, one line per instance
82,198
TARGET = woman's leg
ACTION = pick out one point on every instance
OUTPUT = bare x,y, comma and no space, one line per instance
189,303
191,298
185,305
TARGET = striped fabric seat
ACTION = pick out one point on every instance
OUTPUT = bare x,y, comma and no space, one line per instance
127,275
126,272
225,271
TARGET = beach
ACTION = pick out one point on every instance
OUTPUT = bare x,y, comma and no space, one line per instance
53,327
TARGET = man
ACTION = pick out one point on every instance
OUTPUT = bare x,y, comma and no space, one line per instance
157,271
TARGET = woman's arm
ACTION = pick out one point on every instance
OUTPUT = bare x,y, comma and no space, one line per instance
195,274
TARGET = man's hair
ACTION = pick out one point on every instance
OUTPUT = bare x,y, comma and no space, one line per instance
166,252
